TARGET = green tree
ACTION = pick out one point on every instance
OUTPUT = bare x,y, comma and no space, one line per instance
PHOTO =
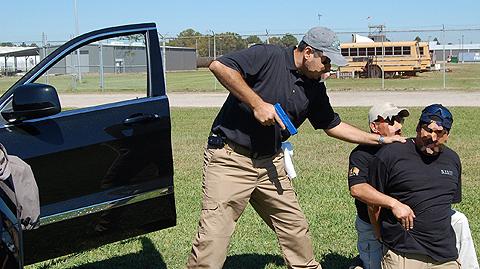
228,42
275,40
418,39
6,44
135,38
186,38
253,39
289,40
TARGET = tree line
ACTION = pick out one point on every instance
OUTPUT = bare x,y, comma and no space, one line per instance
224,42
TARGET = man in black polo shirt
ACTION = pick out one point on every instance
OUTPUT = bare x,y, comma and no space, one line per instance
426,175
384,119
243,161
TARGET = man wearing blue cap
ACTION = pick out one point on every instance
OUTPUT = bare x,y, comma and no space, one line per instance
387,119
424,174
243,160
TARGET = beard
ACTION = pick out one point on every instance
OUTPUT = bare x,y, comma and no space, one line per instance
430,148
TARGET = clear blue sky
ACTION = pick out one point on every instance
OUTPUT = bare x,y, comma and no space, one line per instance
26,20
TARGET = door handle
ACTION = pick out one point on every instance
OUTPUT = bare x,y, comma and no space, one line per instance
140,118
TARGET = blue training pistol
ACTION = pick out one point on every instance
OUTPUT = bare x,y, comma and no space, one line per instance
285,119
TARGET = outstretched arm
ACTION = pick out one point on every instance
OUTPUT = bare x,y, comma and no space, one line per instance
352,134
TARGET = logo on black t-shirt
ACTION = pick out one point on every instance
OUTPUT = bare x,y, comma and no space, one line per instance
446,172
354,171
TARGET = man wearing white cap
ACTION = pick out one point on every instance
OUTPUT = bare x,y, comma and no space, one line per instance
243,159
386,120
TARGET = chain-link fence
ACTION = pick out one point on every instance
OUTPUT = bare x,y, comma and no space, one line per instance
379,58
407,59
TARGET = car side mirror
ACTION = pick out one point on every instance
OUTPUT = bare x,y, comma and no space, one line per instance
31,101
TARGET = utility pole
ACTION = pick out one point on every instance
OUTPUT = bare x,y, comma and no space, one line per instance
209,47
375,32
319,17
214,56
214,46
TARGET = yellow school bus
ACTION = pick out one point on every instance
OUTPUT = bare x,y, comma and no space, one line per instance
368,59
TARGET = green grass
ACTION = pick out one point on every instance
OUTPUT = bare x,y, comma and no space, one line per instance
321,163
201,80
462,77
459,77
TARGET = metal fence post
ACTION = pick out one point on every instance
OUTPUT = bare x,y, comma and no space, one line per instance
44,45
102,82
164,60
444,59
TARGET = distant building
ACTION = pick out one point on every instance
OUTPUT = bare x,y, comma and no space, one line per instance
17,59
463,52
117,58
123,58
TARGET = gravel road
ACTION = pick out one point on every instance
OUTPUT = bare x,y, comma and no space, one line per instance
340,98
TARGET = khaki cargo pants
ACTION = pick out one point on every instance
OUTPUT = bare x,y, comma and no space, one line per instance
394,260
230,181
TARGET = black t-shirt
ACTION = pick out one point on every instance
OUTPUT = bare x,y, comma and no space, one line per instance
270,71
359,160
429,185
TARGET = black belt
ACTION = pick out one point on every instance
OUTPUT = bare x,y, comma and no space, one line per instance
220,142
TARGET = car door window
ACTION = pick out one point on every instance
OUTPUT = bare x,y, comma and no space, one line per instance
101,72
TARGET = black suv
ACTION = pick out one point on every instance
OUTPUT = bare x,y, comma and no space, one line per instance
104,173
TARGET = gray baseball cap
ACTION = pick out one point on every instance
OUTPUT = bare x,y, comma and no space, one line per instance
386,110
324,39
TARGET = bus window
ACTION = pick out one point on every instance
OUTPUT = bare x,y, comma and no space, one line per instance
406,51
353,51
397,50
388,50
378,51
370,51
362,52
345,52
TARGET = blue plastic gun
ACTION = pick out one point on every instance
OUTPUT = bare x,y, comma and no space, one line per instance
285,119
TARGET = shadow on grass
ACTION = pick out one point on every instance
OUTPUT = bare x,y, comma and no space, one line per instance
252,261
334,260
260,261
148,257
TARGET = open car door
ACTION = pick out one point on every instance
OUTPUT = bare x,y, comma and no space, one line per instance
104,173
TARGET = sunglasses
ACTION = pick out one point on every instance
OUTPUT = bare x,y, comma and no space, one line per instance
391,120
439,133
325,59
